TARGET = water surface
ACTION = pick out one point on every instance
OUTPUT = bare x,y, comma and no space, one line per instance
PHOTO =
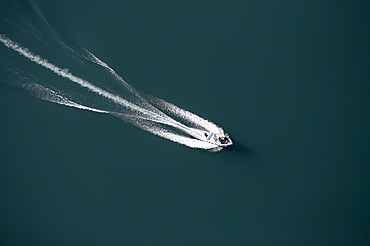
296,81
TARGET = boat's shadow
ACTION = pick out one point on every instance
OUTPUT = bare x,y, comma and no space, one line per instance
240,149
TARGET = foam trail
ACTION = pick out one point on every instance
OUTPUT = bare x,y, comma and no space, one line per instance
66,74
53,96
185,115
147,117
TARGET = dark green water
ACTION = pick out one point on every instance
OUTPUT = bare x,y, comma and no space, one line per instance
288,80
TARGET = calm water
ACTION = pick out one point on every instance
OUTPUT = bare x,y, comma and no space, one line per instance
288,81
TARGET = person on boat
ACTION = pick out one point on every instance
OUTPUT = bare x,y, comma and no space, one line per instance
223,140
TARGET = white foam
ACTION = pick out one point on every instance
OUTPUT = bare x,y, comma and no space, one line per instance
142,113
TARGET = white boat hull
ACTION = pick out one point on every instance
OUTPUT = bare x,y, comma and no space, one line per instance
220,141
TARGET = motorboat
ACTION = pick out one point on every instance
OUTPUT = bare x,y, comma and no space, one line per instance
221,141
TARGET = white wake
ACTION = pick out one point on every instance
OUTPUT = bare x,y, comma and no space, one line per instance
142,117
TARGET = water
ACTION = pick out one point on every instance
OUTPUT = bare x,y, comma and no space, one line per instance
293,80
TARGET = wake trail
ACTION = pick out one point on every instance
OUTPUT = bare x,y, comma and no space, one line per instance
66,74
86,84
